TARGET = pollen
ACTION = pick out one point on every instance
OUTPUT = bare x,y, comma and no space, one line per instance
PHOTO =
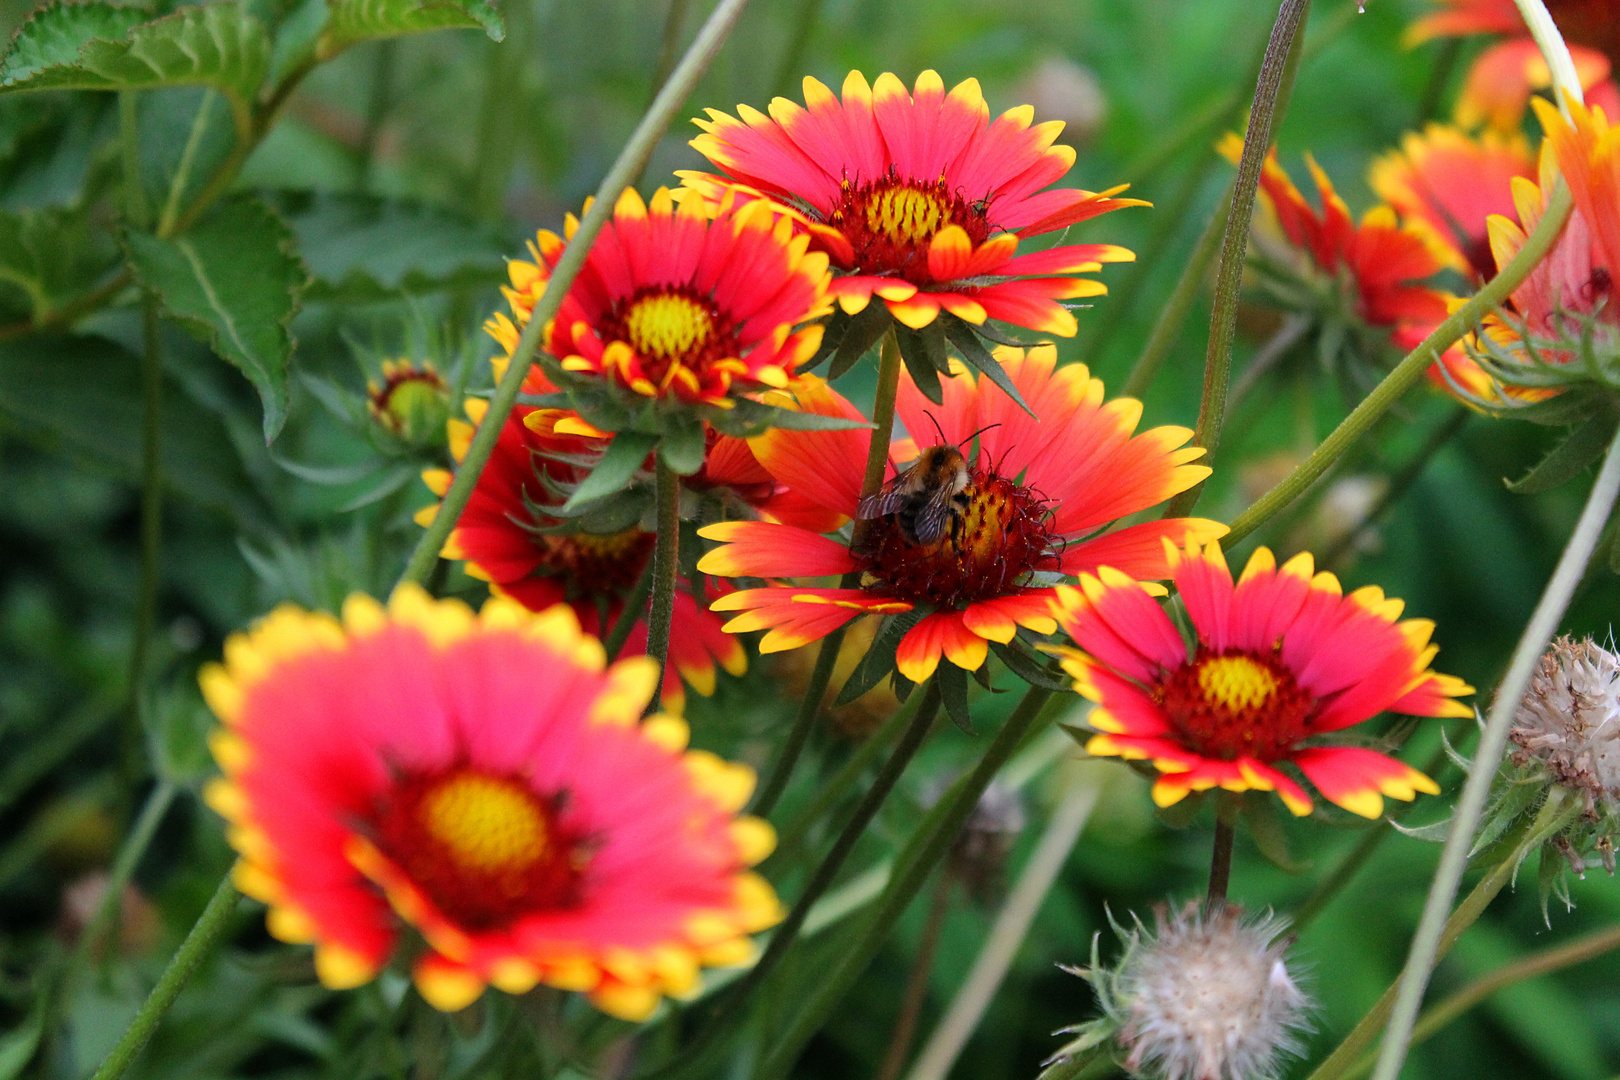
485,848
1236,682
1237,704
485,823
889,222
906,215
668,326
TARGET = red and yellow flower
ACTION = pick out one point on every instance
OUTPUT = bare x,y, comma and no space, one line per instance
682,298
1446,184
1380,258
507,538
919,198
1281,661
1042,492
487,781
1504,76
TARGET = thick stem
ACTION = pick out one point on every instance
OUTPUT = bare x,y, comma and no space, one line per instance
1410,370
888,388
916,992
666,559
1235,242
1220,860
1492,741
671,99
930,843
1011,927
803,724
209,928
1557,811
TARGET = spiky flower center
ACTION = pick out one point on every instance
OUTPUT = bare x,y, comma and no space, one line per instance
485,848
891,221
1237,704
590,564
669,327
998,533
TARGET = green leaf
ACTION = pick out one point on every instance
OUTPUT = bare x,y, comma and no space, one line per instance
831,336
362,247
625,456
966,340
865,328
879,659
17,1047
683,445
97,46
1030,668
1579,449
351,21
914,350
808,421
952,683
235,281
48,255
1266,827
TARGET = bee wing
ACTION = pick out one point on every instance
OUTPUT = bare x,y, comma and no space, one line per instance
935,512
887,500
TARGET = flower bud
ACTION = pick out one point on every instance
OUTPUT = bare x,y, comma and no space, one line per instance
411,403
1206,995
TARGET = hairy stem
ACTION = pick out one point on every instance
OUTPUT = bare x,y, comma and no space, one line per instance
1492,741
666,558
209,928
1235,241
1410,370
671,99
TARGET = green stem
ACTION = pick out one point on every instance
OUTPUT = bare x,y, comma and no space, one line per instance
1347,868
668,45
671,99
1011,927
133,742
136,209
1173,316
666,558
1235,241
888,388
634,605
209,929
841,781
378,104
1492,741
123,868
1407,373
798,40
916,991
1542,963
1220,861
803,724
927,846
1557,811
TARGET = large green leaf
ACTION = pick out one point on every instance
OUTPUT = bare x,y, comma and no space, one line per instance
352,21
361,247
48,255
97,46
235,280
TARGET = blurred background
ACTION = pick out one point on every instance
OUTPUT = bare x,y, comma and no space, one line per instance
409,169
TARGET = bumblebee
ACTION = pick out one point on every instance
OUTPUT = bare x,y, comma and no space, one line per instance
923,499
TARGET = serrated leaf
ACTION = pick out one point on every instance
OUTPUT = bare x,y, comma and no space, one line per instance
48,255
865,328
624,457
966,340
351,21
363,247
234,280
1580,448
914,350
952,683
97,46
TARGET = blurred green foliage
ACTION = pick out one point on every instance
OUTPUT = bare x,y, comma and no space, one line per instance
396,178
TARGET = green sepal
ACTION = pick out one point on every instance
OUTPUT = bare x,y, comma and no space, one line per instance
952,682
917,349
865,328
966,339
625,456
1582,446
879,661
1180,815
682,446
1029,667
1265,825
832,335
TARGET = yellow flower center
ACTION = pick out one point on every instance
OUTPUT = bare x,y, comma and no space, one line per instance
1236,682
906,215
668,326
485,823
1237,704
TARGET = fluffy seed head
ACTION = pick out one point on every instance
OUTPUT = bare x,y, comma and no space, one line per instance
1569,720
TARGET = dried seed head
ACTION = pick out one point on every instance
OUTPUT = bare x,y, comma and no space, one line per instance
1206,995
1569,721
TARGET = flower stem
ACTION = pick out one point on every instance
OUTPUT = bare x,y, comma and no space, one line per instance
209,928
1407,373
793,833
1011,927
666,558
888,388
1542,963
1220,860
803,723
671,99
1492,741
927,846
916,992
133,741
1235,241
1557,811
